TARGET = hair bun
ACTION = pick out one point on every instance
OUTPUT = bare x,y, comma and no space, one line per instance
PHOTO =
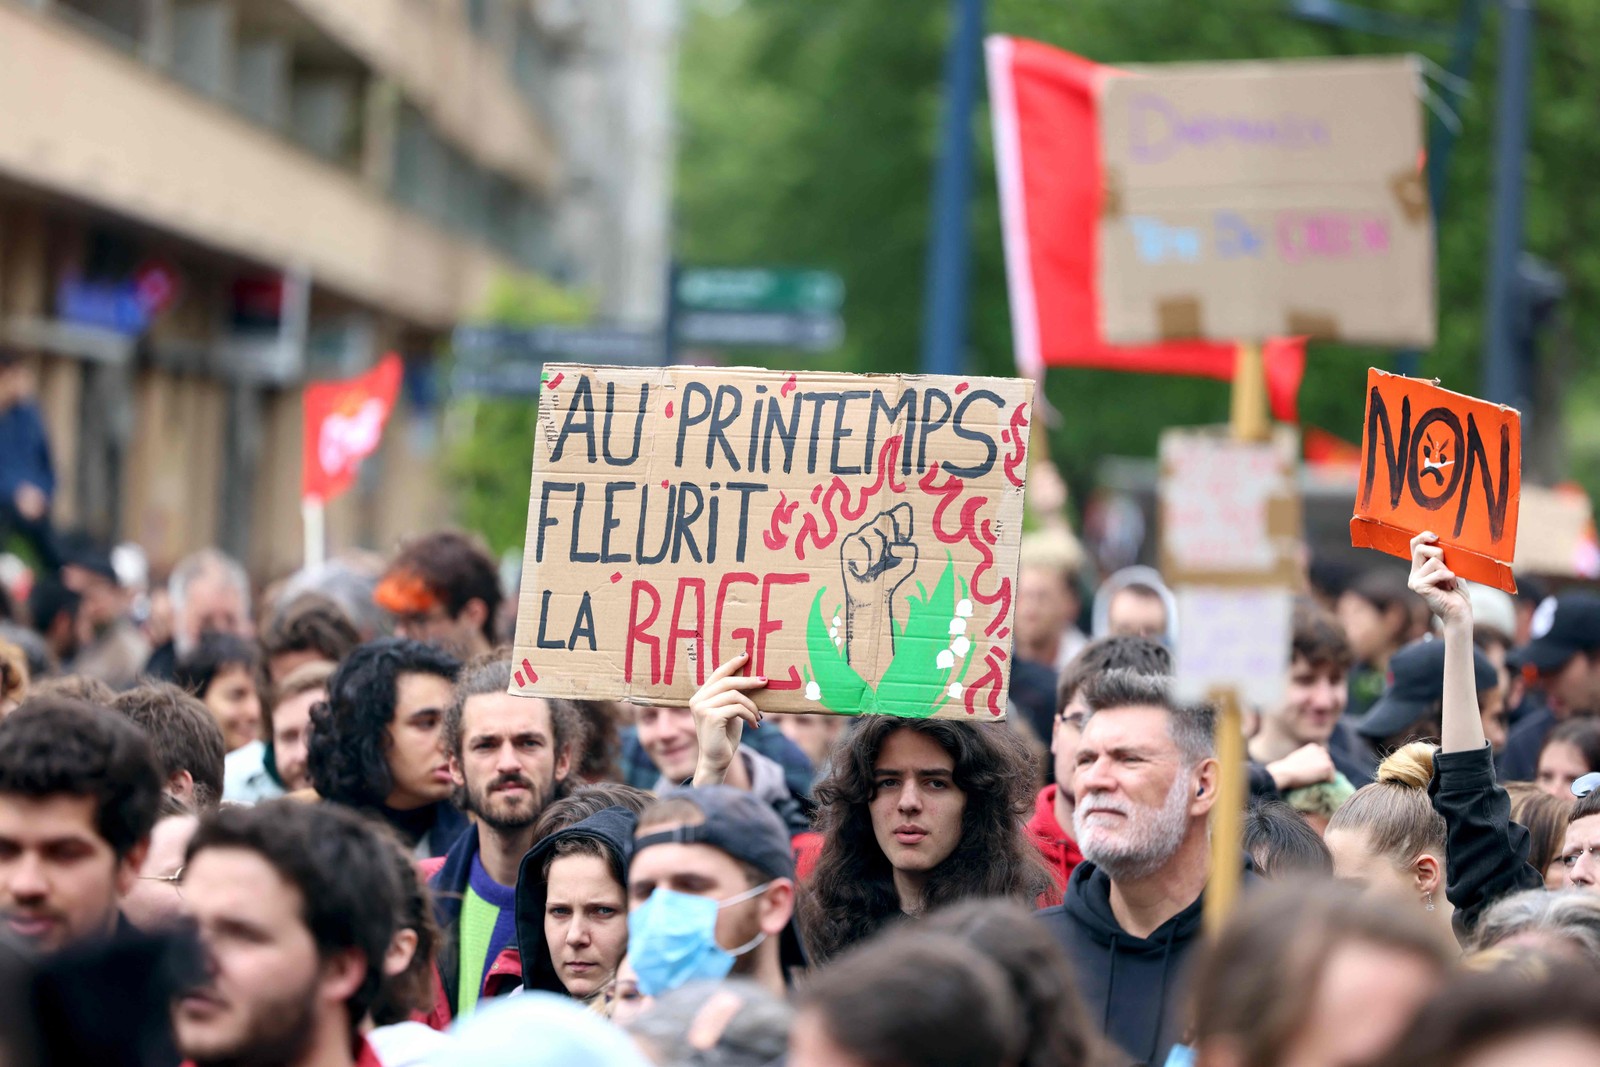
1410,766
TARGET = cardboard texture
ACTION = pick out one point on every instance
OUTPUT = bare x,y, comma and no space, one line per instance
1231,527
1229,510
1440,461
1556,533
856,534
1255,199
1234,637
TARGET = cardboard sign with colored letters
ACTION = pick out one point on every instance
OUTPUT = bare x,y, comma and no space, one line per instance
1246,200
856,535
1440,461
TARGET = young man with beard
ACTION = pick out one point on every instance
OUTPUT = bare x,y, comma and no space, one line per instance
1146,780
79,792
509,757
295,906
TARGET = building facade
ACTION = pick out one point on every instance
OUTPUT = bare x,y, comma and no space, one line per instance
205,203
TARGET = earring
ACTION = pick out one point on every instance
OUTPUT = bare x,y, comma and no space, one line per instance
1427,902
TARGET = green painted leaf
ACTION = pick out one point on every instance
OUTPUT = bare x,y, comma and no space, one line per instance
841,688
914,684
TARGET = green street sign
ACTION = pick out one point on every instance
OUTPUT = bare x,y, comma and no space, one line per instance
759,289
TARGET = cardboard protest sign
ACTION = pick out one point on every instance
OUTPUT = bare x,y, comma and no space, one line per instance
1230,510
1246,200
1436,460
1556,533
1230,538
1234,638
1044,102
857,535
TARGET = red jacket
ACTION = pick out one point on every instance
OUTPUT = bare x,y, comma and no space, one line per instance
1060,851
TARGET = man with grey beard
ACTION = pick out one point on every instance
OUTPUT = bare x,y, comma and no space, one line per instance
1145,783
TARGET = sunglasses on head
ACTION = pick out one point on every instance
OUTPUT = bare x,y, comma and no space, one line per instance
1582,787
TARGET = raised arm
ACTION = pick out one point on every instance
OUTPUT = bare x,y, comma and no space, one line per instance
1447,599
721,708
1486,854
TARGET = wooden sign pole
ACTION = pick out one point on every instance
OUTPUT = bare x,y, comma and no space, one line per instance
1249,422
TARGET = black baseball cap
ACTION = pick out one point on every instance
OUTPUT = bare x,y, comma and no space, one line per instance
1416,683
747,829
1563,626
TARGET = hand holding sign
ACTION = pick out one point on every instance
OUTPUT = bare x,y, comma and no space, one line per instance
721,709
1436,583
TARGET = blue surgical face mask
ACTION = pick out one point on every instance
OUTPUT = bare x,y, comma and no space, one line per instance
672,939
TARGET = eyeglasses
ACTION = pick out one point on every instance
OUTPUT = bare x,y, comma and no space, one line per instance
1582,787
175,879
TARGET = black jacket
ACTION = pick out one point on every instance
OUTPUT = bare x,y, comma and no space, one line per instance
1486,854
1130,985
613,829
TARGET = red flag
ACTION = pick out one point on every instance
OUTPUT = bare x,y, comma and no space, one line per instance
1047,149
343,424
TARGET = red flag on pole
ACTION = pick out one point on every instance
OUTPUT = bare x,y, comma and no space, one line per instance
1047,151
344,422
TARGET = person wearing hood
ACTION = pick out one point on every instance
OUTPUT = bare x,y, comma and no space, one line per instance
1146,781
1135,602
572,905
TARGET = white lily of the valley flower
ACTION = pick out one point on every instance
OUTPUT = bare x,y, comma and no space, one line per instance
955,690
964,608
944,660
958,626
960,645
813,691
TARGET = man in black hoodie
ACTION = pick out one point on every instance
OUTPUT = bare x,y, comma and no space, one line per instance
1145,783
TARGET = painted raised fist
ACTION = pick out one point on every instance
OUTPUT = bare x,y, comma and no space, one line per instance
876,559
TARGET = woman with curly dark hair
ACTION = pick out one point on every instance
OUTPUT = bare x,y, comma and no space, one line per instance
916,814
377,743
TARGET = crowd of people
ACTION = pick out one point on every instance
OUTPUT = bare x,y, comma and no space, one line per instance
309,825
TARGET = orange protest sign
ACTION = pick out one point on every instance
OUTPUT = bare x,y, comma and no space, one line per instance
1436,460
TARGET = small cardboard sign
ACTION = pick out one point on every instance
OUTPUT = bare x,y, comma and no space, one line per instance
1440,461
1230,541
1232,637
1255,199
1230,510
857,535
1556,533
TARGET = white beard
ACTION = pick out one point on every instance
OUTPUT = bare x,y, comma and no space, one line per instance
1147,838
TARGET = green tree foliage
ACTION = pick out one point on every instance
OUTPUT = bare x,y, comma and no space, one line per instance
809,133
491,438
